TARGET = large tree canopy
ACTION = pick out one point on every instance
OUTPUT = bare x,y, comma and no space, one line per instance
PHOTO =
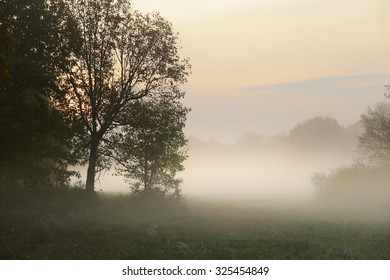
35,45
124,55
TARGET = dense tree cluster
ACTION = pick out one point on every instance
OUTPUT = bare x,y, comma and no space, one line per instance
70,73
35,141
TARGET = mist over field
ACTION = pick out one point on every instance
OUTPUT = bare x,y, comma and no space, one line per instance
262,167
315,162
194,129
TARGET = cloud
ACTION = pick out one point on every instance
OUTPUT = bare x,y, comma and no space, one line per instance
226,115
359,84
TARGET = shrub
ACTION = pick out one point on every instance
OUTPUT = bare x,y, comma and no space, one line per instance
353,183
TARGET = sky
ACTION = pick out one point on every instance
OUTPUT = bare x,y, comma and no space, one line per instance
265,65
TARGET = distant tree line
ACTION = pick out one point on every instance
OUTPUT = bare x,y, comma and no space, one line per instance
316,137
93,83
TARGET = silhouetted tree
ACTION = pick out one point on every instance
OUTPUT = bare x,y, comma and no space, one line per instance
322,136
34,138
125,55
151,149
374,143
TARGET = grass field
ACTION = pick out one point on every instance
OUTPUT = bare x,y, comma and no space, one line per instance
119,227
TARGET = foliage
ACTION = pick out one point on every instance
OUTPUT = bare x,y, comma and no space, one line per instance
34,139
361,181
69,73
374,143
124,55
354,184
320,135
150,149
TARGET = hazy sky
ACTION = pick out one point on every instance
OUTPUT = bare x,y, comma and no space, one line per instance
265,65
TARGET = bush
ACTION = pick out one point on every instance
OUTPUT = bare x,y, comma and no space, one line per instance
355,183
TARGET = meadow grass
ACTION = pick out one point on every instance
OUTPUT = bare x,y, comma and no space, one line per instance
122,227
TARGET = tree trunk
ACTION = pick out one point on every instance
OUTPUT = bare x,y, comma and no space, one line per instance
90,183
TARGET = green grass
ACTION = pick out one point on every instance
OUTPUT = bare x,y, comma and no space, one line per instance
120,227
